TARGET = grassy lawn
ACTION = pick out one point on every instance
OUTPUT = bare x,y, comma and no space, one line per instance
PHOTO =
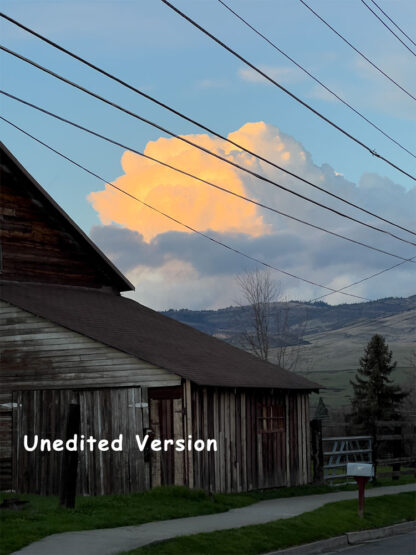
330,520
43,516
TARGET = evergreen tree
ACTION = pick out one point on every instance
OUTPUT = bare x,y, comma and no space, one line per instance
375,397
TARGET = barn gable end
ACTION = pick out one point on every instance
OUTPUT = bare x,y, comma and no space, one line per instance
40,243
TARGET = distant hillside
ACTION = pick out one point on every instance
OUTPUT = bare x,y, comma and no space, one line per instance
228,323
334,338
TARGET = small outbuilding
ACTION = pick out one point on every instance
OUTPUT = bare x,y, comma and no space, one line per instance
69,337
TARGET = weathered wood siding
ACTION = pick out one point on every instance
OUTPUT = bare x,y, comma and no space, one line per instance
38,243
167,423
5,440
36,354
262,435
105,414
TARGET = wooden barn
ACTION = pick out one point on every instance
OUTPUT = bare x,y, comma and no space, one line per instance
69,338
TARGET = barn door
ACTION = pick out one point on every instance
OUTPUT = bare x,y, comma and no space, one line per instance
41,413
105,414
271,438
166,422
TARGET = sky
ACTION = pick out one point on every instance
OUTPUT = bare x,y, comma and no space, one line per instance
148,45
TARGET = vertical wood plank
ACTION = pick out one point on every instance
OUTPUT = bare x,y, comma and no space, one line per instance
216,436
308,441
155,456
299,436
132,461
178,433
222,443
287,430
189,431
146,424
228,435
244,485
195,432
259,413
233,469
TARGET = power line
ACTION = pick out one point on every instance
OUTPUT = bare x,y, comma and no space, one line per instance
387,27
203,149
194,122
395,24
183,172
213,132
364,279
355,49
274,45
191,229
202,234
281,87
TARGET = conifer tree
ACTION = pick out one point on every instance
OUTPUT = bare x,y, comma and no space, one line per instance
375,397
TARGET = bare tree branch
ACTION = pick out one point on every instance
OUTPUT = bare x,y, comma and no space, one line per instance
268,333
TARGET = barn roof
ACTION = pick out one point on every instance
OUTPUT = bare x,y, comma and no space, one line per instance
146,334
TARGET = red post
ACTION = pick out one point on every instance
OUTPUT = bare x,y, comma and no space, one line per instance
361,481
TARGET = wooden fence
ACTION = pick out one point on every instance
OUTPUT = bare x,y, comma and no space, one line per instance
392,445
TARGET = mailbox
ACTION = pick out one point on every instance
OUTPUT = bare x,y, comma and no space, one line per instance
360,469
362,472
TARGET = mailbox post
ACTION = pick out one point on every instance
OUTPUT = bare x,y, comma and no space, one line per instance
361,472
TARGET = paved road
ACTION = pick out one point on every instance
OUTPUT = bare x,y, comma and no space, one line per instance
114,540
405,544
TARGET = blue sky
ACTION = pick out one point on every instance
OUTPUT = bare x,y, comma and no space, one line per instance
148,45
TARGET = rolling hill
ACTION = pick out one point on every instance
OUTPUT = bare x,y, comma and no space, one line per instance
334,337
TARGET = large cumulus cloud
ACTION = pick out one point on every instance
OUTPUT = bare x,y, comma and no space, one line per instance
174,268
181,196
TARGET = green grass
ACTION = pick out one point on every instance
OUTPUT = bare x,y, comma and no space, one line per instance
43,516
328,521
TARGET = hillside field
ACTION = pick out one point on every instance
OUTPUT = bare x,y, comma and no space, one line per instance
334,338
331,358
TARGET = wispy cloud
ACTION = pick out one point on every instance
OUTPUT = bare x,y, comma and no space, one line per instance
379,93
318,92
282,74
212,84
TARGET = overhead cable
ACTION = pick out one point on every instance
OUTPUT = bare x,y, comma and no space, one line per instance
387,27
200,125
395,24
203,149
364,279
356,50
284,89
186,226
337,96
183,172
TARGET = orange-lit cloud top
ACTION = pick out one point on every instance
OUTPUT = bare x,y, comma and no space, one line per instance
194,203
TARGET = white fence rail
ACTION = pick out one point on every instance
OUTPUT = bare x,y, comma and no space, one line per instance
338,451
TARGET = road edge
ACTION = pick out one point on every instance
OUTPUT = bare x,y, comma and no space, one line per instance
350,538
